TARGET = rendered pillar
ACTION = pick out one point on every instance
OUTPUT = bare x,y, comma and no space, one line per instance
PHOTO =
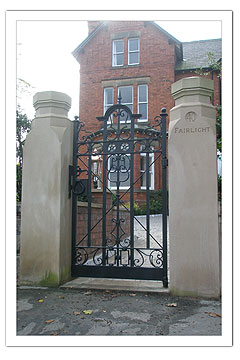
45,254
193,203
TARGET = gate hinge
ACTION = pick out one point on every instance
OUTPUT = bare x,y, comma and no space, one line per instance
165,162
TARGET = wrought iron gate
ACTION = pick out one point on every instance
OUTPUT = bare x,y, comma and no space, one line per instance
104,164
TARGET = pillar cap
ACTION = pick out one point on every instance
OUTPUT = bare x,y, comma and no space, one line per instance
194,85
51,102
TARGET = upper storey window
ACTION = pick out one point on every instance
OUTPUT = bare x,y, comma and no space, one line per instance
133,51
117,55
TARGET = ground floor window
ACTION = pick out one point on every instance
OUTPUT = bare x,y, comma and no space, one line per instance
127,95
144,171
143,102
107,99
119,171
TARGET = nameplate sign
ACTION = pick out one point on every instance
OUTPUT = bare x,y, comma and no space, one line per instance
191,130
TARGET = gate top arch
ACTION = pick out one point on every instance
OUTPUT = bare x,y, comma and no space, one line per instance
121,110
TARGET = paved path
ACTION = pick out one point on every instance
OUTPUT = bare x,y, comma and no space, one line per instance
51,312
147,309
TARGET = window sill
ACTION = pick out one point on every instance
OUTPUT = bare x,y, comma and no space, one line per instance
125,66
144,188
120,188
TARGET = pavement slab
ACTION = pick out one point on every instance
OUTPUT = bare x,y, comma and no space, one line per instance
65,312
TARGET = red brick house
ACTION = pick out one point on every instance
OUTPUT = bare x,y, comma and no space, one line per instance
140,60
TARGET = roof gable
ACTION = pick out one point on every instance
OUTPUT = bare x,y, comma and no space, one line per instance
103,23
88,38
190,55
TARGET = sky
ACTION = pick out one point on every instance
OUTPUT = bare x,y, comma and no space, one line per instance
45,60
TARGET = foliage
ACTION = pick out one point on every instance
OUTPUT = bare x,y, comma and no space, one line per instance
214,66
155,204
137,210
19,181
114,200
219,188
23,125
219,128
83,198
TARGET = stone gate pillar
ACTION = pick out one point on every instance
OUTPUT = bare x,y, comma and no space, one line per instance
193,204
45,254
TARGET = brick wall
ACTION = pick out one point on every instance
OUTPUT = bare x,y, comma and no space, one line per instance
157,60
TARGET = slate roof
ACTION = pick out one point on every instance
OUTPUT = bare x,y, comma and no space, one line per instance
195,54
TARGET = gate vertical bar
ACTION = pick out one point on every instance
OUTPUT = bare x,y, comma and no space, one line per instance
118,154
164,197
89,194
147,194
104,170
74,197
132,191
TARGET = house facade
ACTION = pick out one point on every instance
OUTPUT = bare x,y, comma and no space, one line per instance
138,61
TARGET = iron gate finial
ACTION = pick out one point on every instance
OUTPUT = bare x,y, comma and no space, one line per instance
119,97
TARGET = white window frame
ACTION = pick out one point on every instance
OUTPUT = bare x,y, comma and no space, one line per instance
119,89
133,51
143,102
94,170
105,105
117,53
109,181
151,170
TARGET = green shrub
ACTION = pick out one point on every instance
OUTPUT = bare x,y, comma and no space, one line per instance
219,188
155,204
114,200
137,210
83,198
